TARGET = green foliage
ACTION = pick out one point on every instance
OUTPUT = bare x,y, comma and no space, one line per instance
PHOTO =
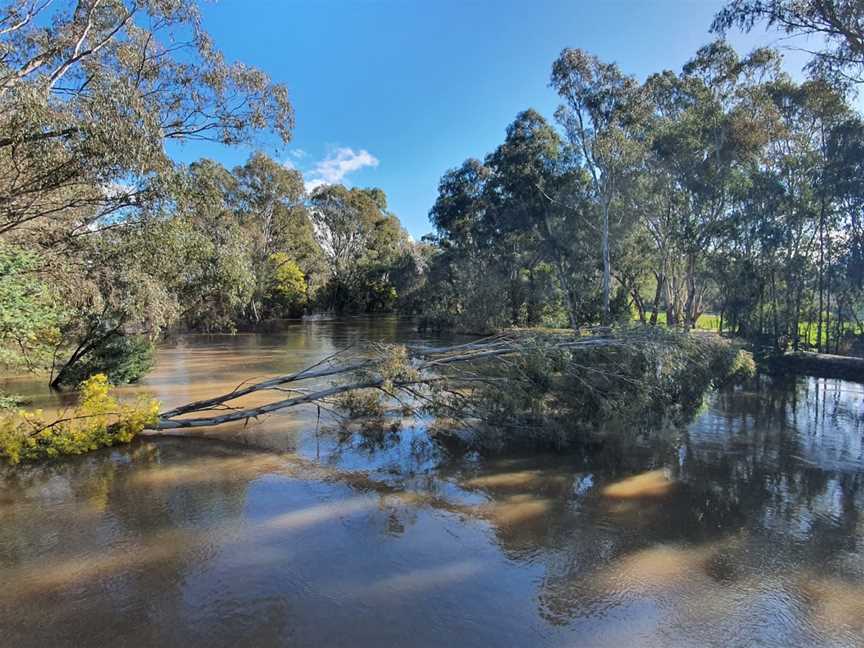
732,189
288,284
362,404
741,369
99,420
838,24
90,93
29,312
10,401
362,243
117,298
94,206
557,396
123,359
465,293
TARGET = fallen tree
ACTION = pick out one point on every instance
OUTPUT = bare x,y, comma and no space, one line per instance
537,386
529,387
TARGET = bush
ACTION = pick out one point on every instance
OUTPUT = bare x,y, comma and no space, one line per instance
123,359
361,403
99,420
29,312
287,293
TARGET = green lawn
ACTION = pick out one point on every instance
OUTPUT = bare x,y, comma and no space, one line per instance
706,322
806,330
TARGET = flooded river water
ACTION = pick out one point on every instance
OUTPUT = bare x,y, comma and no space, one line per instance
744,529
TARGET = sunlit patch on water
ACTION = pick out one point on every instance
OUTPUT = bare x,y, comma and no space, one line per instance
837,604
414,581
741,530
63,573
212,469
654,483
310,516
515,510
658,568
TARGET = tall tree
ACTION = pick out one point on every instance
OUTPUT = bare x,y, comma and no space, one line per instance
537,194
360,240
601,116
709,126
90,92
839,22
268,200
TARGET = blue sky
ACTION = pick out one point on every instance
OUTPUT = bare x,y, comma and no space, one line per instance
392,94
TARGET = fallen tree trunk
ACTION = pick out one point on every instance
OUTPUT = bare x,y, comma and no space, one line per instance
513,379
535,387
420,365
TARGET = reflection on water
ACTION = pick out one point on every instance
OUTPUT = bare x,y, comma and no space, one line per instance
741,530
653,483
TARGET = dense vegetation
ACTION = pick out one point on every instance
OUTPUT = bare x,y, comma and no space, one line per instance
106,243
723,188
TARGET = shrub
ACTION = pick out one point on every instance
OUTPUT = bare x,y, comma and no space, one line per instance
287,294
99,420
122,359
361,403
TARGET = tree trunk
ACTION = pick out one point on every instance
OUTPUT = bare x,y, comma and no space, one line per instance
821,273
776,327
658,294
691,305
607,266
827,346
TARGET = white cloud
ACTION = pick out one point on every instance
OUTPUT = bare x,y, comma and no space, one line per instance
297,153
338,164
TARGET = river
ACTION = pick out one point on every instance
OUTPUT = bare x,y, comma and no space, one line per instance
744,529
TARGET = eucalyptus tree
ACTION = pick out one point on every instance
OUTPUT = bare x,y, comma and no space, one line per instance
459,212
709,126
359,240
91,91
602,116
540,194
117,302
786,217
29,310
217,283
817,109
840,23
846,155
468,277
269,205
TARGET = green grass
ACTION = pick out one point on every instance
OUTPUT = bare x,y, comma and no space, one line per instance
706,322
807,331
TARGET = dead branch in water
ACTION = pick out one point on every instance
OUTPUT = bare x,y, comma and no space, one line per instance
414,369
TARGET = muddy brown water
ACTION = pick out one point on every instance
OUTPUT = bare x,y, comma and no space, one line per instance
744,529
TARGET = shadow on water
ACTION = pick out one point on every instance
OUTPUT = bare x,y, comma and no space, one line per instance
741,529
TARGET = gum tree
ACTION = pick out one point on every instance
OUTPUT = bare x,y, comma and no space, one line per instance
601,114
90,93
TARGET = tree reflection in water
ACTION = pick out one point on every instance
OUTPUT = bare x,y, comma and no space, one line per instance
742,528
